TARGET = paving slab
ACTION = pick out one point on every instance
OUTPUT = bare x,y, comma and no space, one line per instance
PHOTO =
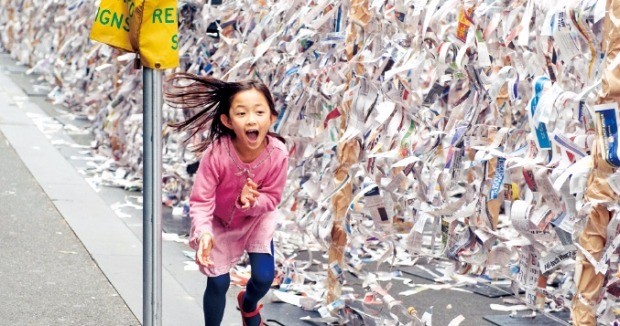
113,246
47,277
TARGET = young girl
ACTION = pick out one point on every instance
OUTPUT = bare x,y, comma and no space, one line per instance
237,187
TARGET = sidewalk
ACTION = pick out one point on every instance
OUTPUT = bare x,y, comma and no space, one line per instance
92,259
47,276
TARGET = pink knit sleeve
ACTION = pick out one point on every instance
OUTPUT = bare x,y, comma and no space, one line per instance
202,198
271,188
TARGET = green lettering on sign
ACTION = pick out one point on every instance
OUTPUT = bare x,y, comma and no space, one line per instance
169,15
169,18
104,18
157,14
175,42
113,19
117,20
132,9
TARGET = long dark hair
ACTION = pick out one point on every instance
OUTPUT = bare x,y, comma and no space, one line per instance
212,98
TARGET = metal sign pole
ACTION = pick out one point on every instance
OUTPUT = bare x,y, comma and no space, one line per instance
151,193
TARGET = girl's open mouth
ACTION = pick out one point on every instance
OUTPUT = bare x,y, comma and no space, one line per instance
252,135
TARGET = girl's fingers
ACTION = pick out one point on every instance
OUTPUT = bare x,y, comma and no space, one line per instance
200,258
199,252
206,253
251,183
203,254
254,192
206,258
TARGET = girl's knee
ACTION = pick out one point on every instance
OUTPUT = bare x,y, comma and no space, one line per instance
218,285
263,269
263,277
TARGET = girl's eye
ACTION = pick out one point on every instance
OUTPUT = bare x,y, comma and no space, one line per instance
240,114
261,112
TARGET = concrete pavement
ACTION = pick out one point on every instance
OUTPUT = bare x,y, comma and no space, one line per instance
46,277
109,245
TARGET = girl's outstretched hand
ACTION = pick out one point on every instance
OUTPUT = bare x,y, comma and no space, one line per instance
249,194
203,254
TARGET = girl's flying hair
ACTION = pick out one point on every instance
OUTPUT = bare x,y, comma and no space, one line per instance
211,98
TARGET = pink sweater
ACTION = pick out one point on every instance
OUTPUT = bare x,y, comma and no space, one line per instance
214,204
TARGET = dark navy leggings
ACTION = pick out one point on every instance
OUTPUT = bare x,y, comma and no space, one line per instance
214,299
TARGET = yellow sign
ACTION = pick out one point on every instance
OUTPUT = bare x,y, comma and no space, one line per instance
149,27
111,25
